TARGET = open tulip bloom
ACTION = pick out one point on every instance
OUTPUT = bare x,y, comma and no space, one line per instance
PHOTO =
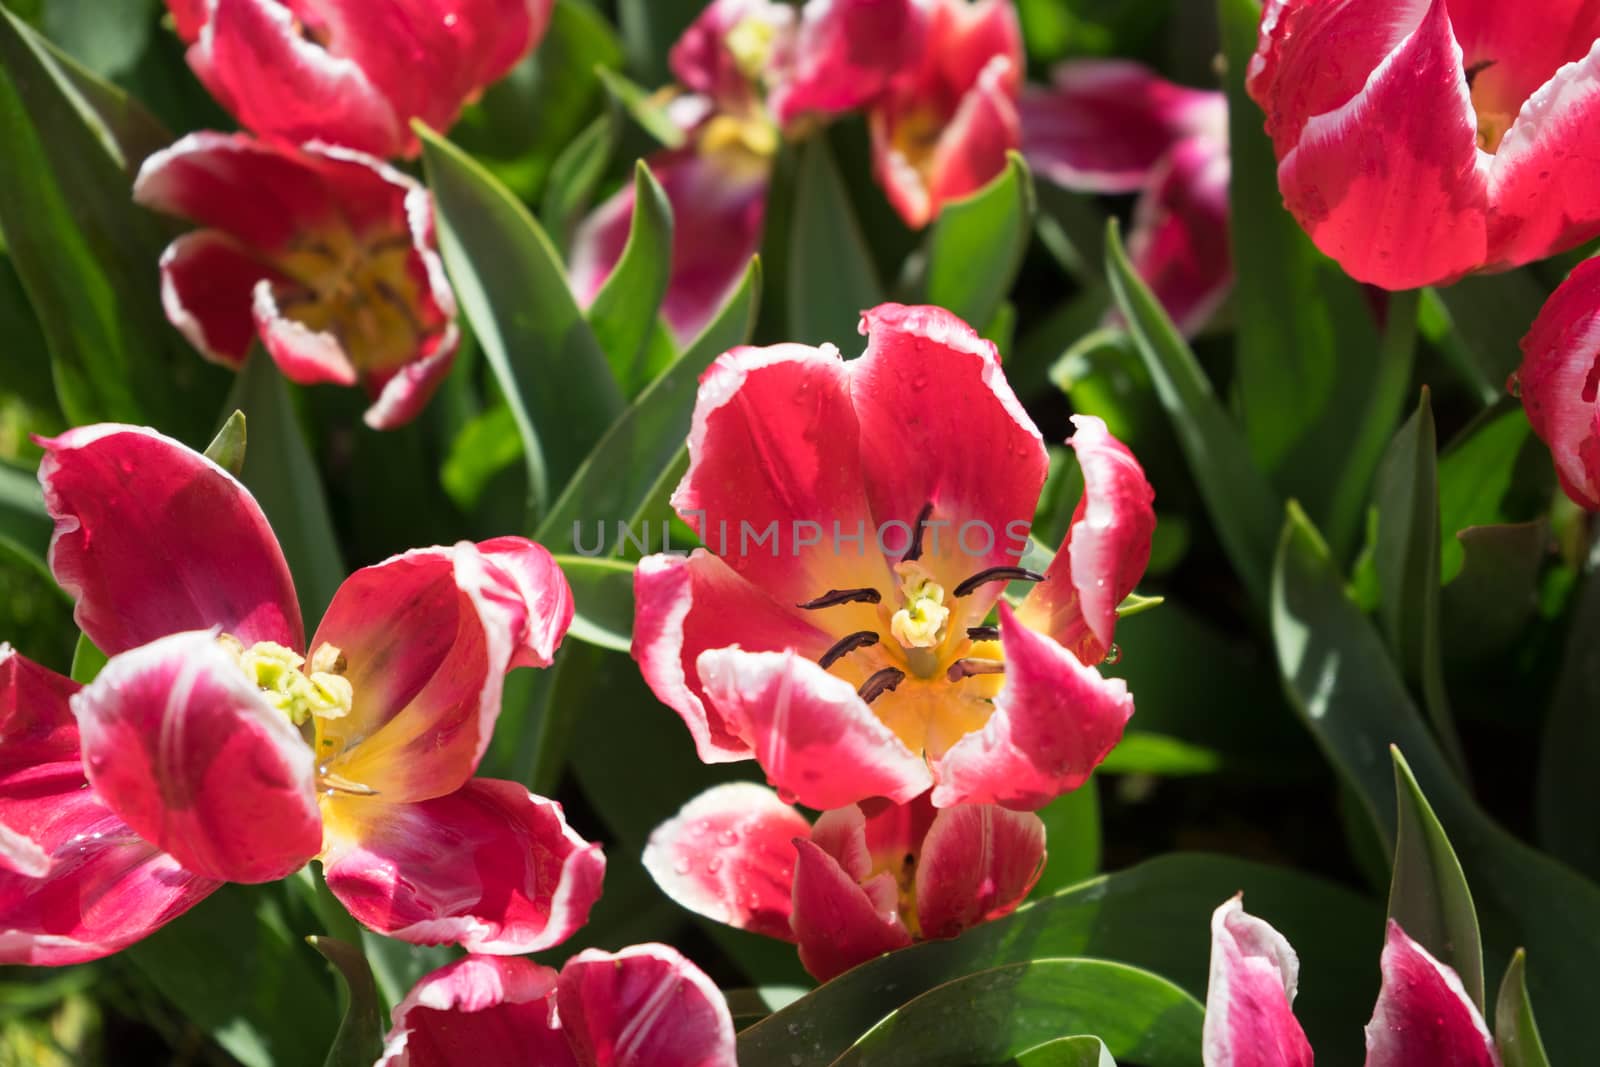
218,745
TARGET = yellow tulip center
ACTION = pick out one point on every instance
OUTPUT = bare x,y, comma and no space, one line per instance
322,692
362,292
921,623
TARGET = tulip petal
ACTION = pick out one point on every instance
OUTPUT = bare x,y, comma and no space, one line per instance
402,397
1557,382
1392,183
1424,1017
491,867
645,1006
837,922
686,605
177,741
1521,53
38,743
874,835
817,741
972,150
703,60
188,16
1254,975
1180,240
305,356
729,855
477,1011
207,279
847,52
544,592
152,538
978,862
1054,721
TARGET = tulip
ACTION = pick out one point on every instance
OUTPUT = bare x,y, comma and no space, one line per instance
327,256
864,518
866,879
217,735
1557,382
1112,126
352,73
1421,141
645,1006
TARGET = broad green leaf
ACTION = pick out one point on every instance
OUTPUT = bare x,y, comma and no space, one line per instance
624,310
645,107
1155,916
86,661
602,589
359,1040
128,131
1567,786
1491,603
1355,705
1243,508
574,177
1072,838
24,523
227,448
509,280
975,248
1080,1051
831,275
1516,1033
997,1014
1428,895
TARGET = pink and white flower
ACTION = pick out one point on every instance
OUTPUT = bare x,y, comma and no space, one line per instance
1557,382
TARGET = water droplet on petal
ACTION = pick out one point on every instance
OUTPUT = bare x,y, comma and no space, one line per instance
1113,656
680,866
1514,385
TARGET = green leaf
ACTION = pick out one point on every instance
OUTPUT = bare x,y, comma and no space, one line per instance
649,28
129,132
1494,472
24,523
509,280
86,661
1355,705
624,310
1081,1051
1567,787
1428,895
1242,506
831,277
359,1041
1490,313
976,246
1142,752
227,448
1516,1033
1072,836
574,176
106,37
645,108
1002,1012
602,589
1494,598
486,445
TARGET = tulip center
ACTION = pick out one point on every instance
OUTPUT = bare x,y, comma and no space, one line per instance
1494,111
322,692
360,291
750,43
923,620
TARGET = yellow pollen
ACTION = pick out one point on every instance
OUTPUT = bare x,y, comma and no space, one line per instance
750,43
322,693
921,623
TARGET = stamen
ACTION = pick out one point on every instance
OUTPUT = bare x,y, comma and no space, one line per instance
915,551
967,668
335,783
998,574
1478,68
842,596
846,645
885,681
983,633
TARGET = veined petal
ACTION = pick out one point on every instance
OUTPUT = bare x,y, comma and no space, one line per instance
817,741
1180,242
1558,382
181,744
847,52
152,537
1054,721
491,867
729,855
207,279
978,862
1254,974
1424,1017
645,1006
478,1011
837,922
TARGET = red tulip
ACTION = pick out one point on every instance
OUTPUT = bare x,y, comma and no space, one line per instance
1557,382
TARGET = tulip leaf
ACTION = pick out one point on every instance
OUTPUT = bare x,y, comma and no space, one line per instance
1242,506
649,28
645,108
1495,597
551,369
1153,916
359,1041
574,176
1490,313
484,447
831,276
86,661
975,248
623,314
1516,1034
1494,472
129,131
25,526
602,589
996,1014
1355,705
1084,1050
1568,789
1428,895
1072,836
227,448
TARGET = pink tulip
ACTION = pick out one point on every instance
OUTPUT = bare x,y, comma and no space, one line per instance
645,1006
326,256
1113,126
1557,382
847,53
1421,140
866,879
861,520
354,73
218,735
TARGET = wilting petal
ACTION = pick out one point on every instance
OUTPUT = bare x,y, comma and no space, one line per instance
1558,382
478,1011
645,1006
491,867
838,922
207,279
977,863
729,855
817,741
1053,723
1424,1017
1105,125
1254,973
1105,552
181,744
152,538
847,52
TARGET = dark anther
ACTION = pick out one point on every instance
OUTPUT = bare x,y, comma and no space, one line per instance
842,596
983,633
846,645
915,551
1476,69
998,574
966,668
880,683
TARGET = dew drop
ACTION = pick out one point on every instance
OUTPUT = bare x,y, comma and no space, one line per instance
728,837
1514,385
714,864
1113,656
680,866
